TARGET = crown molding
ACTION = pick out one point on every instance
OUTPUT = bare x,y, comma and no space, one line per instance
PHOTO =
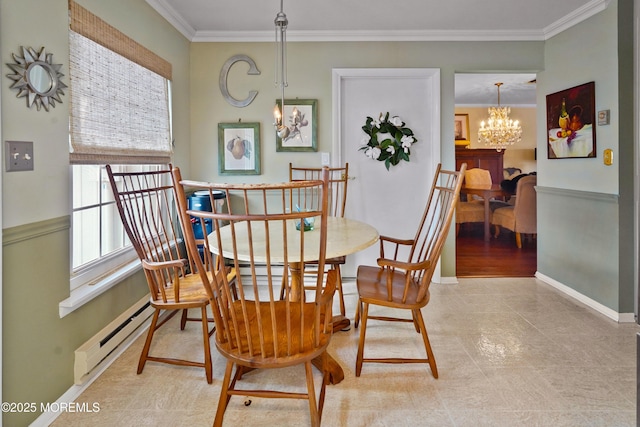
370,36
175,18
585,12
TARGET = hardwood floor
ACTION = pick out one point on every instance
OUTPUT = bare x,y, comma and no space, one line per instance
497,258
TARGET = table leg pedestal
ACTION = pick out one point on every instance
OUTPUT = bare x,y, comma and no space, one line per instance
340,323
336,374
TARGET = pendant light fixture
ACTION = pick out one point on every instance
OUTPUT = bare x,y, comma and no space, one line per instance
500,131
281,23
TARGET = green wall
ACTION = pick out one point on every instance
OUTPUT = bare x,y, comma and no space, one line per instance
37,345
585,208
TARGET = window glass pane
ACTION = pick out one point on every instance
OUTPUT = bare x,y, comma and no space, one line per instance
112,229
86,185
97,229
106,193
86,236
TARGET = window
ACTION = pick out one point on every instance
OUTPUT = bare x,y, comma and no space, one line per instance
99,241
120,115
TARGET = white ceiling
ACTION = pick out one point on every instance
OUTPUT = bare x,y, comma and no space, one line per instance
399,20
480,90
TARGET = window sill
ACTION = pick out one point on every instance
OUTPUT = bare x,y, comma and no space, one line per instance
87,292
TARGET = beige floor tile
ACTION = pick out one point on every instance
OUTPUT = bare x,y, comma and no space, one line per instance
510,352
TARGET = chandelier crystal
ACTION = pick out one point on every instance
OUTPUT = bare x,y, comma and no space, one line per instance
281,22
500,131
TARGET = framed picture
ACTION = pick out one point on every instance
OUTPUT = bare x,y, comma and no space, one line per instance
461,130
239,148
571,131
301,117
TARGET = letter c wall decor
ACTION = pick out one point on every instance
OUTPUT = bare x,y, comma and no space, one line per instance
253,70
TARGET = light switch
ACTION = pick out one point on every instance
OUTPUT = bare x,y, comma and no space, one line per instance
325,159
608,157
19,156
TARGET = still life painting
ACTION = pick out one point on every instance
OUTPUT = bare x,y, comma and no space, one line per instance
571,123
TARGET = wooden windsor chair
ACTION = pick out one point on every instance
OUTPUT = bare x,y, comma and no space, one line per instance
148,210
403,284
258,329
338,180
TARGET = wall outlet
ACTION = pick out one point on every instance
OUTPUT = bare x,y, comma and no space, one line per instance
325,159
19,156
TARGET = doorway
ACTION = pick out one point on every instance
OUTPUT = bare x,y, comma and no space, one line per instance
474,93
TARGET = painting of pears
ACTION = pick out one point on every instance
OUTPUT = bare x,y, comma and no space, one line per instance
239,148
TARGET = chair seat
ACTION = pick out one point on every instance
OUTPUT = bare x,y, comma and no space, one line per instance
192,291
259,351
505,217
372,288
470,212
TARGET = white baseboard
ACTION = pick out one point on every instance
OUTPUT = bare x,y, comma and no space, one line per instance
595,305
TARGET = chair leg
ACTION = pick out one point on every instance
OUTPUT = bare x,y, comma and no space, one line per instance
359,359
325,380
356,320
417,315
311,394
147,344
518,240
207,349
416,322
224,396
343,310
183,319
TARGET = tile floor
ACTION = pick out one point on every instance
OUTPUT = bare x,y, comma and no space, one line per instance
510,352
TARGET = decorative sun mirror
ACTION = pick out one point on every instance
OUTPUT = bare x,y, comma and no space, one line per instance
37,78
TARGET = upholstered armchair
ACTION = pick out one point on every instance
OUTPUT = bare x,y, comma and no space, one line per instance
520,218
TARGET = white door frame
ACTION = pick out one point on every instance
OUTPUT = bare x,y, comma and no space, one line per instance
430,74
431,78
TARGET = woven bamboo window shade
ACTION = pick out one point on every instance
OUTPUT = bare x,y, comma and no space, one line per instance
119,96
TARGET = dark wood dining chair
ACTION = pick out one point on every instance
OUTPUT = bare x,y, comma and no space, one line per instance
338,180
258,329
147,207
404,283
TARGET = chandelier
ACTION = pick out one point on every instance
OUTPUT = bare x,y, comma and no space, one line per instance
281,23
500,131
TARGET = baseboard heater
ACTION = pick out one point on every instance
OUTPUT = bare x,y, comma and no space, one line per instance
94,352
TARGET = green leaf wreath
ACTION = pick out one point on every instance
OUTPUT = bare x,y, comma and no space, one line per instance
387,140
